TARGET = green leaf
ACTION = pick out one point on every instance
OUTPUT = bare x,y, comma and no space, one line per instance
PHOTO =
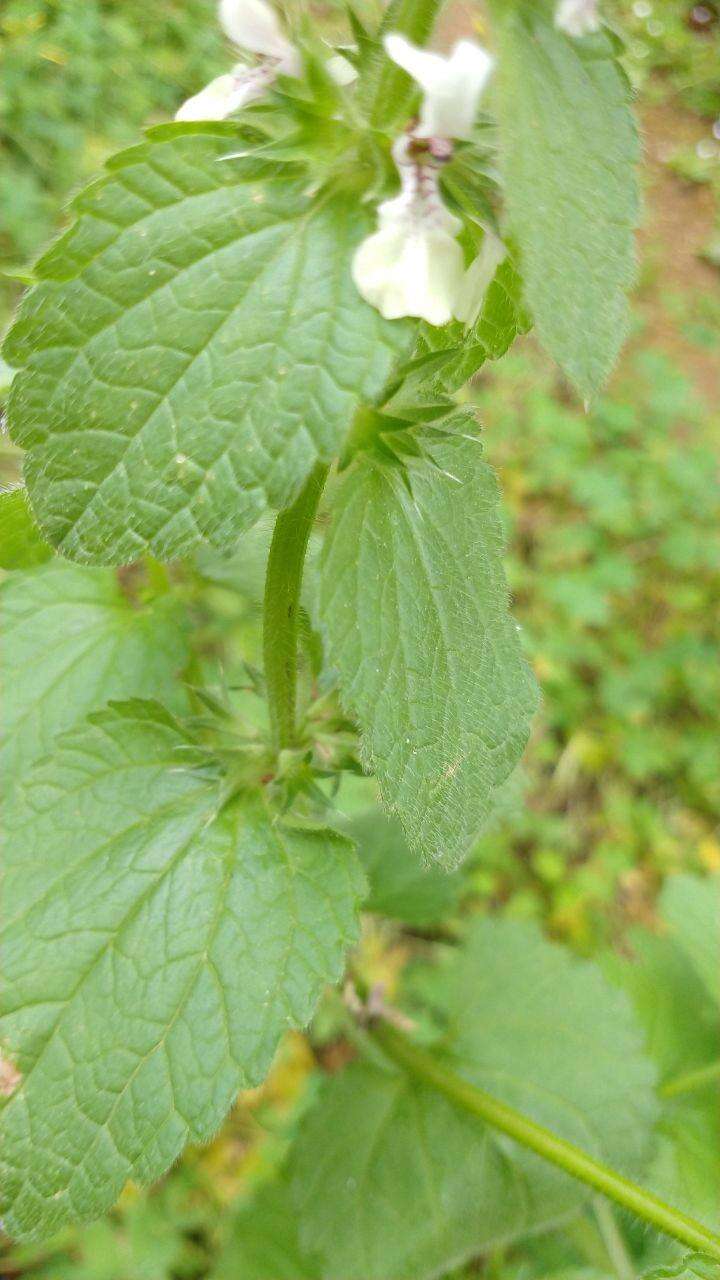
446,358
195,345
682,1032
414,604
501,320
691,907
400,887
569,151
264,1241
71,641
391,1182
694,1266
157,941
21,546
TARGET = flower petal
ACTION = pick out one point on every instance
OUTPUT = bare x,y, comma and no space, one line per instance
227,93
340,69
405,210
214,102
255,26
427,69
412,272
434,266
452,85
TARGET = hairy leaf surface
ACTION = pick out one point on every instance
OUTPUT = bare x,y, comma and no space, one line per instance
264,1241
694,1266
569,150
21,546
691,907
415,608
156,943
71,641
682,1027
196,343
501,320
392,1182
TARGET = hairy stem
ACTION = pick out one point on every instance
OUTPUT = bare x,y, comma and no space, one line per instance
522,1129
281,606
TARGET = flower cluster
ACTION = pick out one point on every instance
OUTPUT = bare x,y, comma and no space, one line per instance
254,28
413,264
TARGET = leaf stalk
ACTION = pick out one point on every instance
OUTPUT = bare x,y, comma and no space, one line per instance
644,1204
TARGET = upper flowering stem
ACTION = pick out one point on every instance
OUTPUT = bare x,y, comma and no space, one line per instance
253,26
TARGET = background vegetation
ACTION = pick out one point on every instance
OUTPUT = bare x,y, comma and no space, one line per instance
614,562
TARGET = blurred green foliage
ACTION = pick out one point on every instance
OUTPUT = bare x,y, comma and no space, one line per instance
78,79
673,44
615,569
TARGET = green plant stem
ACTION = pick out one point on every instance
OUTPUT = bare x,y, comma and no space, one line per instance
281,607
691,1080
563,1154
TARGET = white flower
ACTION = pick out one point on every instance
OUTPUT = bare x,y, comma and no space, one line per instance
577,17
478,278
226,94
451,86
253,26
409,271
412,265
